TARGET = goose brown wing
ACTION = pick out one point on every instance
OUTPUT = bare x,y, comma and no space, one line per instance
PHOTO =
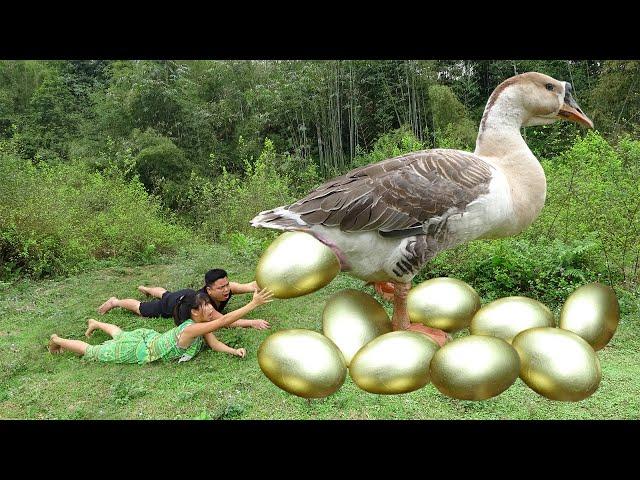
398,194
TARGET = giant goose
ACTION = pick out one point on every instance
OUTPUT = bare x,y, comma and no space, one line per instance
384,221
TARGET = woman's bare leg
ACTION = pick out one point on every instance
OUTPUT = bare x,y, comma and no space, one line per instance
128,303
58,345
156,292
108,328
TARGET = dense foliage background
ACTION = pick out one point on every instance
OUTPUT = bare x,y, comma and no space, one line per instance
105,162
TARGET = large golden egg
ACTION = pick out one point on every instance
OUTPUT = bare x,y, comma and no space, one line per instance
444,303
475,367
352,319
592,312
296,264
506,317
396,362
557,364
302,362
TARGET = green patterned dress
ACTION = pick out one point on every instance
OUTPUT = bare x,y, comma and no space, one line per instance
144,345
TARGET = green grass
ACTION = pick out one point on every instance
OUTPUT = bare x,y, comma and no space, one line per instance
37,385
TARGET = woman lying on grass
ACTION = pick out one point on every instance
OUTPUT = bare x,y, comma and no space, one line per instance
193,312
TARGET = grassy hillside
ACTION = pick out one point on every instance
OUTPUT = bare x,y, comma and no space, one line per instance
37,385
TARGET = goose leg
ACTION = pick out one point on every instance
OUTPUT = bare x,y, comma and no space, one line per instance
384,289
398,293
400,320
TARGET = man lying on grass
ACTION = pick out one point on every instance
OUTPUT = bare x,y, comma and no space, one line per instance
216,286
194,315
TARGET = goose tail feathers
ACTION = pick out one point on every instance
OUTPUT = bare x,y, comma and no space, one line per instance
279,219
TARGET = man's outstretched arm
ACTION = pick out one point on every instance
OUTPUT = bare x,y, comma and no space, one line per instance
243,287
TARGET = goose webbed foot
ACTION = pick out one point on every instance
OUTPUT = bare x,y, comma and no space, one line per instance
397,293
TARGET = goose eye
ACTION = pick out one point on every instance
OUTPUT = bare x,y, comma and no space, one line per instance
549,87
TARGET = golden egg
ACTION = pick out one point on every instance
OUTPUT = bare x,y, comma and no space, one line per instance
296,264
302,362
475,367
557,363
506,317
444,303
352,319
593,313
396,362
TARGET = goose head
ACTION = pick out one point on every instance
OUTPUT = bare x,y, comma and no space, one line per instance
546,100
531,99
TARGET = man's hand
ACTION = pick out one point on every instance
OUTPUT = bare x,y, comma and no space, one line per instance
240,352
260,324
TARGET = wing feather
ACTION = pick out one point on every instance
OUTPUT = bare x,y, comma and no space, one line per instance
399,193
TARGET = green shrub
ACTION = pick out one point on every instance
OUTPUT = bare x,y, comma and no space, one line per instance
161,165
233,200
303,174
50,121
246,246
593,192
58,219
152,159
545,270
452,126
391,144
548,141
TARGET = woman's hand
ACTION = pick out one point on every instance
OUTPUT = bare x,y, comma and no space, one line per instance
261,297
240,352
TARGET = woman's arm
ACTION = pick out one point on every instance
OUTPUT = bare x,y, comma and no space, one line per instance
243,322
197,329
218,346
257,323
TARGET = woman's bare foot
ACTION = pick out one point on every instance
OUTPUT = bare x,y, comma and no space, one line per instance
108,305
53,346
92,326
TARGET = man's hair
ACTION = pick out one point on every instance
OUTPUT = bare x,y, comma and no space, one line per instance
212,275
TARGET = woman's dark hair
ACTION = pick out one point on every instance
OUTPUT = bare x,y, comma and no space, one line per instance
186,303
212,275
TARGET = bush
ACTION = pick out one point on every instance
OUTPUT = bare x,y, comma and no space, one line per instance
545,270
59,219
548,141
452,126
50,122
158,163
246,246
593,192
227,205
391,144
302,173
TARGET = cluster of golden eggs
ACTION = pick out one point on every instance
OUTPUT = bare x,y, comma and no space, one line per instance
516,337
356,337
509,338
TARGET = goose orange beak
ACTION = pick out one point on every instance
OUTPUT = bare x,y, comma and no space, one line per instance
571,111
574,115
